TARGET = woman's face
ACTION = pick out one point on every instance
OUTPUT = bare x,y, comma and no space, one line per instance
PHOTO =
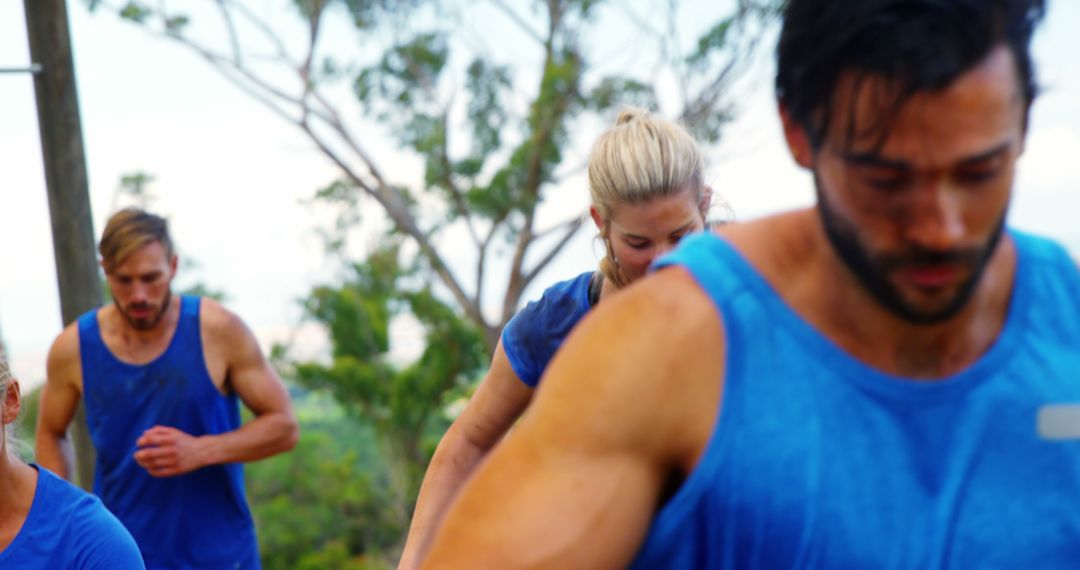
641,232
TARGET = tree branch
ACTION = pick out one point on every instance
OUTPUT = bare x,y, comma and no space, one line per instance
572,226
456,197
234,40
263,27
398,210
481,262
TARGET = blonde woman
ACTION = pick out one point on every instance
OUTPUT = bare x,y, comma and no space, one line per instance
647,190
45,522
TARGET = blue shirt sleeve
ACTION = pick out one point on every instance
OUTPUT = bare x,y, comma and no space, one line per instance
69,528
531,338
100,542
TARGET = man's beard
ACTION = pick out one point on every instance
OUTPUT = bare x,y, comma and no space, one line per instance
872,270
147,323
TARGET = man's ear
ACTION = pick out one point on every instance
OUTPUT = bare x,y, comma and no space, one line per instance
173,264
798,140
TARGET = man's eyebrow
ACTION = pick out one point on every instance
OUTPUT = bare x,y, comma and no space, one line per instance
875,160
986,155
871,159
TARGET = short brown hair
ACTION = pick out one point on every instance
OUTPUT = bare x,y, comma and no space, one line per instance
130,229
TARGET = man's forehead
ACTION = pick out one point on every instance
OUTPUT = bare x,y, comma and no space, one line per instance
144,259
979,110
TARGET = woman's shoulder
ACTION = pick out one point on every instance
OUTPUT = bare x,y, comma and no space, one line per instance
95,537
536,331
559,308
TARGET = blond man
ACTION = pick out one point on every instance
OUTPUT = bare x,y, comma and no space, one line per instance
162,377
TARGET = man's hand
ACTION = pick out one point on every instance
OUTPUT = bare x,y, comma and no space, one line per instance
166,452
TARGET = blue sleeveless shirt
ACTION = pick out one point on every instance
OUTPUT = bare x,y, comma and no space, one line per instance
531,338
196,520
820,461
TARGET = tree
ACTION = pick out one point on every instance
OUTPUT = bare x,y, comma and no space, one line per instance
401,405
494,135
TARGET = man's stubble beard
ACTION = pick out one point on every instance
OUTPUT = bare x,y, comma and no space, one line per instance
148,324
872,271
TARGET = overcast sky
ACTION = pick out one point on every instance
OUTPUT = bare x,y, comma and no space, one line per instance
231,176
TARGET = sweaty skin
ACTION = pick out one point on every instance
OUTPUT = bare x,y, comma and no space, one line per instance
630,401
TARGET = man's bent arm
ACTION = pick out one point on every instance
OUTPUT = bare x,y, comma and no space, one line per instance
496,405
274,429
165,451
59,398
628,401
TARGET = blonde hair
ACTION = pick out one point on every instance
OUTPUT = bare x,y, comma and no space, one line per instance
640,158
130,229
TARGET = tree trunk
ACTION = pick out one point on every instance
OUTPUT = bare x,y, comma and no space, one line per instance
65,178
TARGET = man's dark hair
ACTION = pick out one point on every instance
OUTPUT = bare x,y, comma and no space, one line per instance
919,45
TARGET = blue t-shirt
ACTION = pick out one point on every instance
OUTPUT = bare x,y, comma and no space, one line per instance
198,520
531,338
820,461
67,528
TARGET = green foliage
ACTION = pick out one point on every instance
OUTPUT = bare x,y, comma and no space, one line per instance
135,12
27,421
176,24
615,92
712,41
489,88
391,416
407,75
323,505
367,14
310,9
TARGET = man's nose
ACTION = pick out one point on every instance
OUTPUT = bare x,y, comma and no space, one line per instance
936,220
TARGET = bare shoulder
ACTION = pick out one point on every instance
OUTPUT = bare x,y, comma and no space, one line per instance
63,364
646,366
216,318
222,327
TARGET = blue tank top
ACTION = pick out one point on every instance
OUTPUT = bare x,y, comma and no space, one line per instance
820,461
531,338
196,520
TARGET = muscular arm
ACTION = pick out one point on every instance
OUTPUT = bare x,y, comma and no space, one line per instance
497,403
166,451
628,401
59,399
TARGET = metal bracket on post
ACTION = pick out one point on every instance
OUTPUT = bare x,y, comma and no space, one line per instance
34,69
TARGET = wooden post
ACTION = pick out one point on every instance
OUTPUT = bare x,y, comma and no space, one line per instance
65,178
